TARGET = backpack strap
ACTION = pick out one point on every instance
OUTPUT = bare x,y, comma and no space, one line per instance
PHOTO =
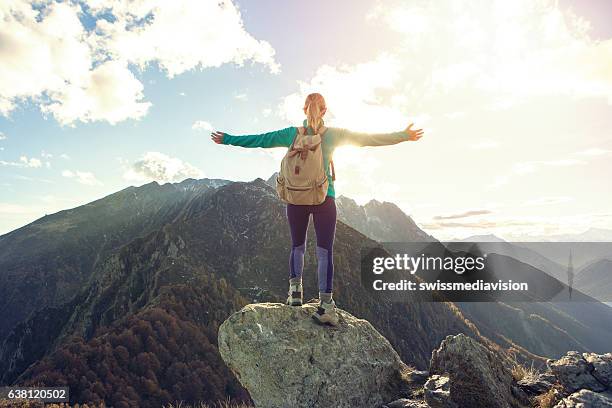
321,132
300,132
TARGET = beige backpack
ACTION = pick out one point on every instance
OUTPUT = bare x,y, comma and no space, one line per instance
302,179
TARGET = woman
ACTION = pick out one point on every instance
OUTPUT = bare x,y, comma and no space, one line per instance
324,215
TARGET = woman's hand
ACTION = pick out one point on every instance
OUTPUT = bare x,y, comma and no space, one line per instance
217,137
413,134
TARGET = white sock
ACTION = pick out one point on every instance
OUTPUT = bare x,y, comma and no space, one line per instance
325,297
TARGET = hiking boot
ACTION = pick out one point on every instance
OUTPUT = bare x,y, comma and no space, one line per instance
296,294
326,314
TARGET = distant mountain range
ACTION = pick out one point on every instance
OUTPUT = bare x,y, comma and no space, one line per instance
540,328
383,222
120,299
590,235
595,279
480,238
591,259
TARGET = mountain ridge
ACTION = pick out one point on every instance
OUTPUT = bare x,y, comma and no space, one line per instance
220,249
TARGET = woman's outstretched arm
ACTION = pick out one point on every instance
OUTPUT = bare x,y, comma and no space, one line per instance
380,139
277,138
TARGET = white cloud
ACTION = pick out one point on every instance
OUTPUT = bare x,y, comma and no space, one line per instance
2,136
508,85
24,161
594,151
354,95
464,214
65,156
160,167
82,74
505,50
241,97
41,50
84,177
518,228
179,35
202,125
464,54
109,92
46,57
530,167
548,201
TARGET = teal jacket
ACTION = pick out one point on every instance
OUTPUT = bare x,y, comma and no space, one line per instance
332,138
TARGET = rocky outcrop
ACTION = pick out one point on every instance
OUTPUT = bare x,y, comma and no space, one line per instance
437,392
406,403
585,380
602,367
537,384
383,222
583,371
477,376
468,374
285,360
586,399
573,381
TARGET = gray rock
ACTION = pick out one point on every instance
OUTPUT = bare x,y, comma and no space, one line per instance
602,367
586,399
477,375
406,403
437,392
575,373
536,385
418,377
284,359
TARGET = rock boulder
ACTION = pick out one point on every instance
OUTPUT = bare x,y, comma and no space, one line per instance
437,392
586,399
284,359
574,372
477,376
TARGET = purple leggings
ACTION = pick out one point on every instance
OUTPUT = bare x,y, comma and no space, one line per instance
324,218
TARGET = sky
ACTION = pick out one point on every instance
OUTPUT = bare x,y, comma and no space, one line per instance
515,99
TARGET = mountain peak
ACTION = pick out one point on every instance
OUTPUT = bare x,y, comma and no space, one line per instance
272,179
481,238
381,221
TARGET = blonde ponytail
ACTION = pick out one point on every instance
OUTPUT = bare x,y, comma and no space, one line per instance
315,108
